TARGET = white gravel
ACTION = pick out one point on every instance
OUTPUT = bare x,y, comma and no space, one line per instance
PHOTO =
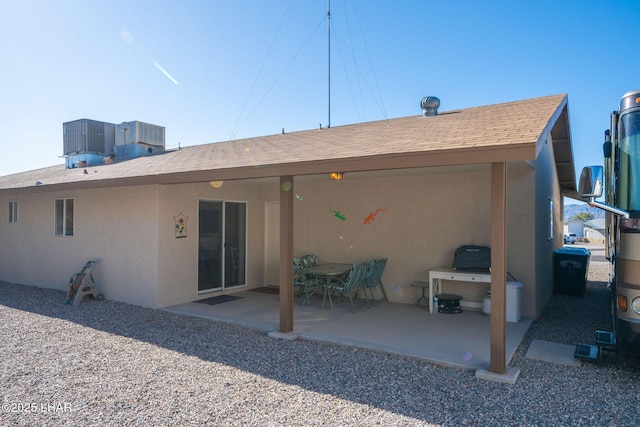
106,363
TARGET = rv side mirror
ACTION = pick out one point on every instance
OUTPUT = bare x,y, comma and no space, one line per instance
590,182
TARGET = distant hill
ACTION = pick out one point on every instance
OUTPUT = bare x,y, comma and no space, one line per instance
572,210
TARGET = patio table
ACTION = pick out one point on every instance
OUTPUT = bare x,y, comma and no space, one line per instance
327,272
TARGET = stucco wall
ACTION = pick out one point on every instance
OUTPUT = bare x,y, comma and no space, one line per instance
547,187
426,218
521,235
132,231
115,226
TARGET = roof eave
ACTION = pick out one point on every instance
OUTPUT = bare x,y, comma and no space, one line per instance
558,128
460,156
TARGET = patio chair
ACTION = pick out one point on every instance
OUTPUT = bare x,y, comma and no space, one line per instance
301,280
82,284
347,288
309,261
373,279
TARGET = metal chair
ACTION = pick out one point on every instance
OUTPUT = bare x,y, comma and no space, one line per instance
309,261
349,287
373,279
301,280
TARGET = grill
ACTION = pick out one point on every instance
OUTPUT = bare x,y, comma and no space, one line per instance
470,257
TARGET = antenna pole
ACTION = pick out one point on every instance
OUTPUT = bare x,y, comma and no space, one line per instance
329,58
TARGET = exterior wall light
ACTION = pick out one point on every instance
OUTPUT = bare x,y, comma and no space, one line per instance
336,176
216,184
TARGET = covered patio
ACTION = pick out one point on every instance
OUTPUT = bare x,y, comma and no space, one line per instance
454,340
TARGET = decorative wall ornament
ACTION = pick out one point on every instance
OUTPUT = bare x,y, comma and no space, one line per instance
338,214
181,225
372,216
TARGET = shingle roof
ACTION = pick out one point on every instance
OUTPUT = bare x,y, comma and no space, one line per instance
501,132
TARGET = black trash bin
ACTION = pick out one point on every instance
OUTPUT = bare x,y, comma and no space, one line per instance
570,267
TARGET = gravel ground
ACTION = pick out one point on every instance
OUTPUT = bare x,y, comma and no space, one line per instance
108,363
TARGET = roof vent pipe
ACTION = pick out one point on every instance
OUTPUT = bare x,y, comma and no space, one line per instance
429,105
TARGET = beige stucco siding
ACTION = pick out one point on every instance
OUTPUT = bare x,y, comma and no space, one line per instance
115,226
546,187
521,234
426,217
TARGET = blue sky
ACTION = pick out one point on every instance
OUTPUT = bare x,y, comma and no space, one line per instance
212,71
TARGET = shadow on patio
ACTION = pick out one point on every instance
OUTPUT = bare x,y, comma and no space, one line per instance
457,340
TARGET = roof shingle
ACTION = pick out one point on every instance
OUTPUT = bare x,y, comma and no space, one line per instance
519,124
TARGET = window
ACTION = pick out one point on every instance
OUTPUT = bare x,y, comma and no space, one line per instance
64,217
13,211
629,162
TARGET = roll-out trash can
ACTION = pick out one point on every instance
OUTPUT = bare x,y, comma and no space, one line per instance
570,266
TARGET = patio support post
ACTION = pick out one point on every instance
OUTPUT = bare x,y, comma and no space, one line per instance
286,254
498,267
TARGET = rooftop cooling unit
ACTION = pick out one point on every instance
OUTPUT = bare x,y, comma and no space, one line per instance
138,139
88,136
140,133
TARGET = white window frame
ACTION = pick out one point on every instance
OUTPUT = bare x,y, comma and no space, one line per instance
64,220
13,211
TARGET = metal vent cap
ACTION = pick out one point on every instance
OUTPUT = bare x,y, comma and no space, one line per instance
429,105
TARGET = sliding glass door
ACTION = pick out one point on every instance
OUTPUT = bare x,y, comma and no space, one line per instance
222,227
235,237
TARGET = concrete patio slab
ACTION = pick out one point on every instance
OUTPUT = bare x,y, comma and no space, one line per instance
455,340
